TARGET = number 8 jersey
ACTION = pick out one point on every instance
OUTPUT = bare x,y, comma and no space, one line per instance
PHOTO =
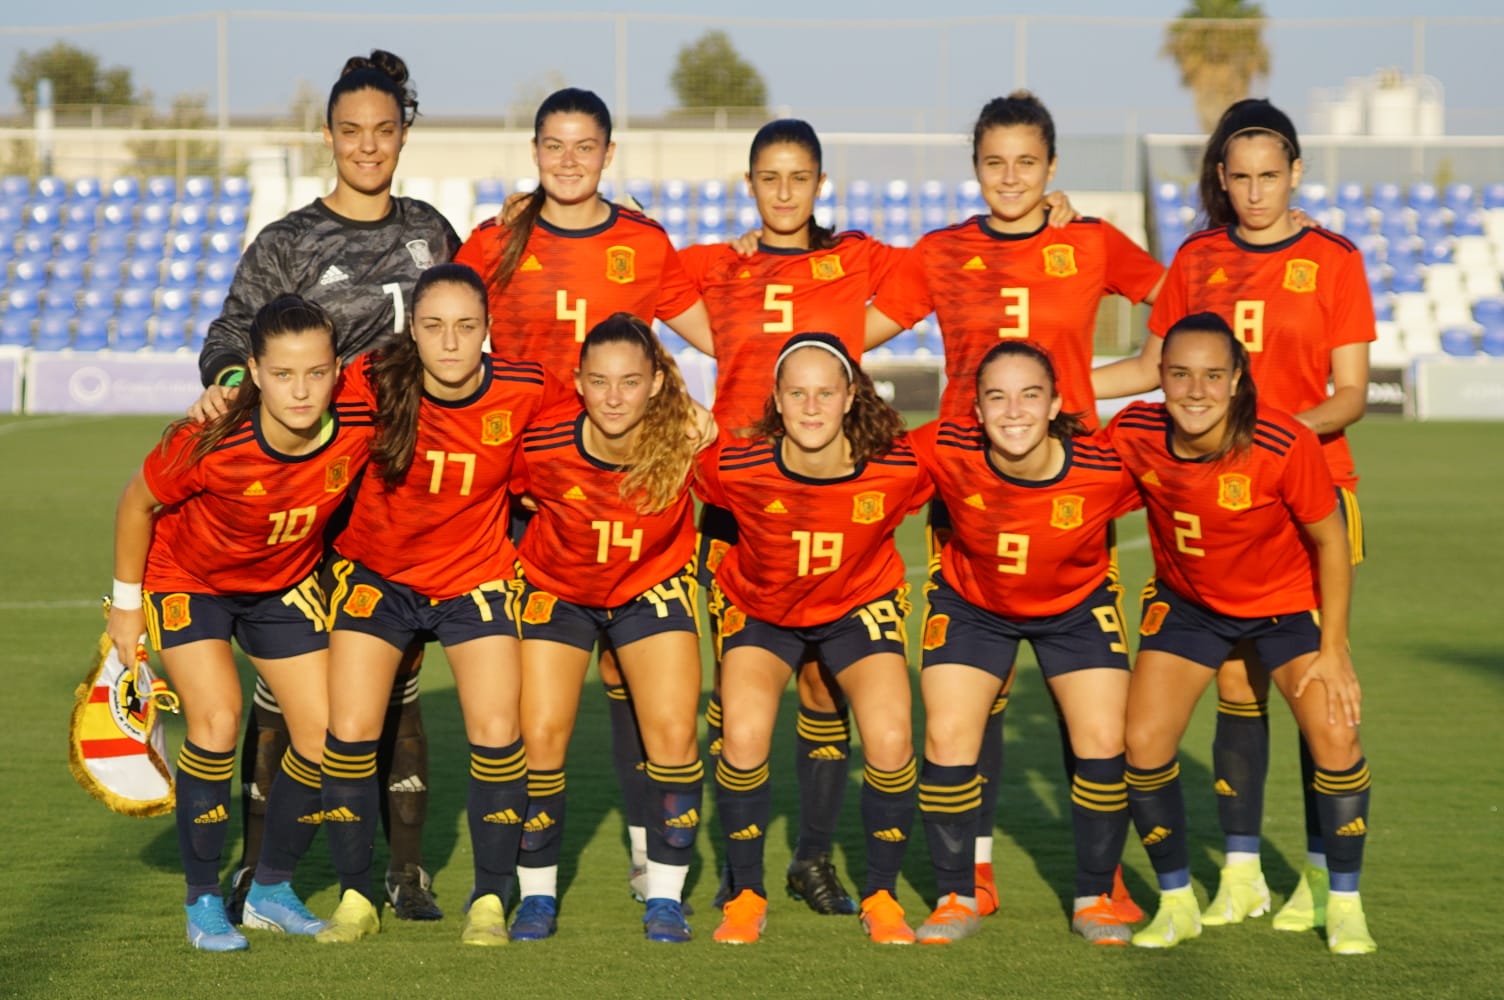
810,549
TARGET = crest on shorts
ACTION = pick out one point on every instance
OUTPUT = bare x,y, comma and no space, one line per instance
496,427
621,264
540,608
1234,491
362,601
733,620
718,550
337,474
867,508
421,255
1060,260
175,616
1068,512
935,628
826,268
1300,275
1154,618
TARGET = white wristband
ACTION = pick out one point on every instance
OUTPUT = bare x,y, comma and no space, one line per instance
126,596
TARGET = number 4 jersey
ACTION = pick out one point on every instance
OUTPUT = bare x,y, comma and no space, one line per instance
246,519
810,549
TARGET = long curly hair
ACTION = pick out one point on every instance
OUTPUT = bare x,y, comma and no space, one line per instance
871,426
662,454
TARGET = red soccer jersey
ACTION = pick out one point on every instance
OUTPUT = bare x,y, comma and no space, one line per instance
443,530
756,303
587,545
1291,303
1227,534
984,286
246,519
810,549
571,279
1020,548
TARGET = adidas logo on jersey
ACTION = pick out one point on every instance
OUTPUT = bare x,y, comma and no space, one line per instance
826,752
332,275
776,507
255,490
340,815
411,783
1356,828
1223,789
1219,277
506,817
531,264
574,493
975,500
1151,478
892,835
538,823
745,274
1156,835
747,833
218,815
687,821
975,264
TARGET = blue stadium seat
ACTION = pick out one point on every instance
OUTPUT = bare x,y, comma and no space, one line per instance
1468,222
14,189
1383,306
1350,197
1459,341
71,245
1313,198
1460,197
23,301
859,205
198,331
86,190
79,216
607,189
711,220
192,218
96,300
150,243
896,194
1489,313
1168,194
1492,343
35,246
1423,195
1373,246
10,217
115,215
218,270
1405,276
1386,197
898,225
49,191
235,191
104,271
92,334
1437,251
969,200
641,191
161,189
174,304
934,205
1378,276
136,299
227,217
747,218
54,332
675,219
211,302
181,273
15,329
65,275
713,193
488,191
197,191
223,245
154,215
171,333
673,193
112,238
131,332
125,190
186,245
28,275
1493,195
43,216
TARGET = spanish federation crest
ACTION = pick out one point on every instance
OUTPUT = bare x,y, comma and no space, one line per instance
421,255
621,266
867,508
540,608
1300,275
175,614
935,629
1068,512
362,601
337,474
1059,260
826,268
496,427
1234,491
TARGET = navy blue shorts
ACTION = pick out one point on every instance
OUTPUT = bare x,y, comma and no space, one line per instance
1090,635
362,601
1172,624
874,627
666,607
271,626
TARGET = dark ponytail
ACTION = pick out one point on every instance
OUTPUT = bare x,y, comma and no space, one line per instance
382,71
1251,116
794,132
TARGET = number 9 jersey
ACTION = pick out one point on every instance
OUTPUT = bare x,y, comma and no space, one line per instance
810,549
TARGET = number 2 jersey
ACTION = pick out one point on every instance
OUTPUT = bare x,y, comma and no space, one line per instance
587,545
1227,534
756,303
1291,303
984,286
246,519
810,549
1023,548
442,531
571,279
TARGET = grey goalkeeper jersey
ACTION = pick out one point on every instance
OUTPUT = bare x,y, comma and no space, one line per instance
361,272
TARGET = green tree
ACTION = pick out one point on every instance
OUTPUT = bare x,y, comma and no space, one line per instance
710,73
1219,47
77,78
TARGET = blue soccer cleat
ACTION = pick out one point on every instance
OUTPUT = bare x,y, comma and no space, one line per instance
277,908
210,930
663,920
536,919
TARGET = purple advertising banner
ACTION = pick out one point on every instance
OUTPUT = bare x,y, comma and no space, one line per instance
105,382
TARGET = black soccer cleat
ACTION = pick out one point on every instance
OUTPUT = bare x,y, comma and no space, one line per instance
240,887
814,880
410,894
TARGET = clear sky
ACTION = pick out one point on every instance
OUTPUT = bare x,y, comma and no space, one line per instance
1097,67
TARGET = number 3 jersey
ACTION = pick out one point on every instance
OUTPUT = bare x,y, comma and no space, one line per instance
246,519
809,550
442,530
587,544
1024,548
1227,534
571,279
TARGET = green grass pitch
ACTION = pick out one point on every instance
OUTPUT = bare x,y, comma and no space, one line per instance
89,904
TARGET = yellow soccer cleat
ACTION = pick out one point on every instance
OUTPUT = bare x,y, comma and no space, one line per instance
485,923
1178,920
1241,893
354,918
1305,910
1347,928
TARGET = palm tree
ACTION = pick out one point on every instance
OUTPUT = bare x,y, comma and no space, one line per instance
1219,47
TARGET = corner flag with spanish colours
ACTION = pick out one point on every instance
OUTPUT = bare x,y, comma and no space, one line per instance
116,747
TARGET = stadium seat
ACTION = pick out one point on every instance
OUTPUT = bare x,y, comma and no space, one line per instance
115,215
14,189
43,217
525,185
161,189
198,331
1313,198
640,190
185,245
71,245
227,217
222,245
969,199
79,216
673,193
15,329
10,219
1489,313
1423,195
747,218
181,273
170,333
126,190
131,333
197,191
149,243
211,302
934,205
154,215
65,276
95,300
1167,194
192,218
136,300
1388,349
1437,251
713,192
28,275
104,270
22,300
1386,197
1405,277
1460,197
174,304
49,191
218,271
235,191
490,191
1468,222
711,220
675,219
35,246
92,334
1493,195
859,205
1459,341
54,332
1383,305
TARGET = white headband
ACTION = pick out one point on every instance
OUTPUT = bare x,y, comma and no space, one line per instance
822,345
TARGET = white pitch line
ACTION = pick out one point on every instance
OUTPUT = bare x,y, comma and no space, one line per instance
45,605
26,425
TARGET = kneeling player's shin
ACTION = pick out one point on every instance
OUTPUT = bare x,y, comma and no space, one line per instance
822,762
294,811
351,802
